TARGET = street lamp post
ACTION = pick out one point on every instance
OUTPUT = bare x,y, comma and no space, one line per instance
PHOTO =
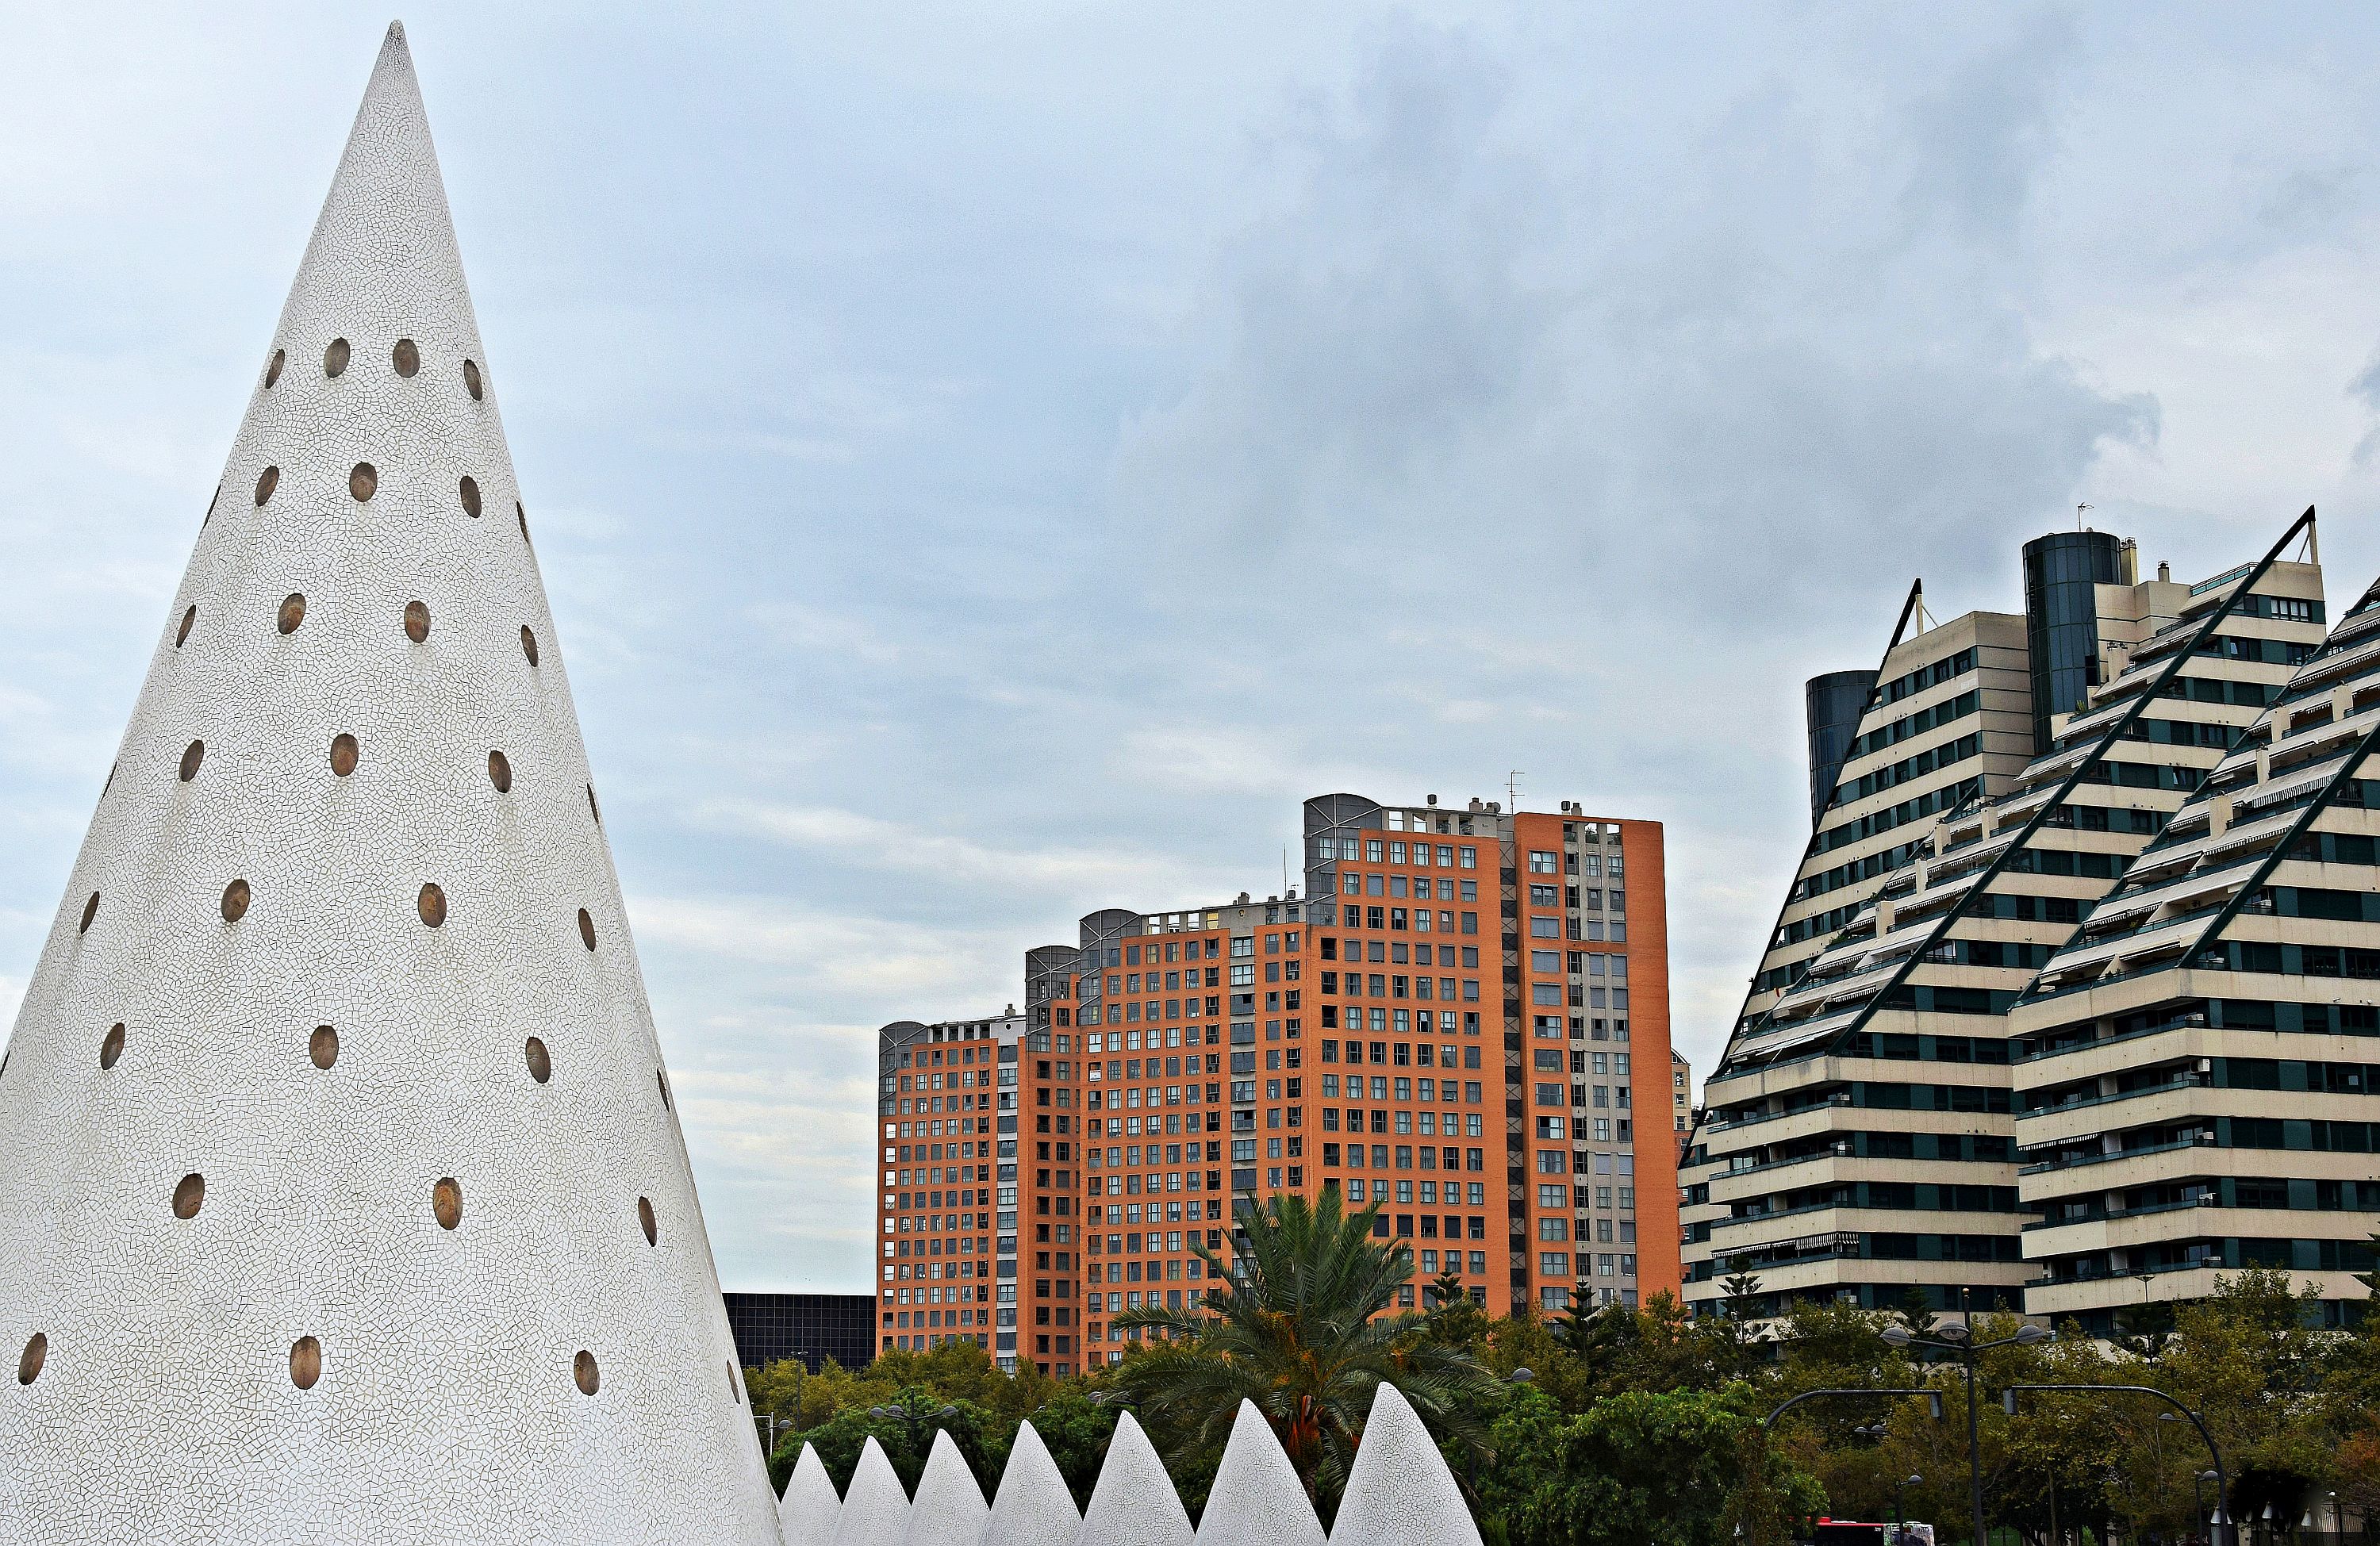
909,1407
1959,1339
2220,1520
1913,1480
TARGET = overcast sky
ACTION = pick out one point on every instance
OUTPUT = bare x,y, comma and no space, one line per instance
991,461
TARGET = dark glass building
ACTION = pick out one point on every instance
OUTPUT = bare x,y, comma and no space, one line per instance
2061,617
1832,704
812,1327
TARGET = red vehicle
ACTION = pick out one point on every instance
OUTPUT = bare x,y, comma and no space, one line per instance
1854,1532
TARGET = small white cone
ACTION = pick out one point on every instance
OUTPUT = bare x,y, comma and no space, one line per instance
1034,1507
807,1512
1399,1491
949,1509
1256,1499
875,1511
1134,1500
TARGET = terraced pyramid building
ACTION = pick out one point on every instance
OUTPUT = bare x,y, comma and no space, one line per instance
344,1191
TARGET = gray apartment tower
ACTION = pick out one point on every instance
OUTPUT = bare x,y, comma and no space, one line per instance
1919,1055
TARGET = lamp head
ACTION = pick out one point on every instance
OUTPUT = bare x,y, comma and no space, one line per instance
1895,1337
1521,1376
1955,1332
2030,1336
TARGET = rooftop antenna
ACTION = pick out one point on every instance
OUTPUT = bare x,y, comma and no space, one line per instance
1512,788
1285,869
2077,517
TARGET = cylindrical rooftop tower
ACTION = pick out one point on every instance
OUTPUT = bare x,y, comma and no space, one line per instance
2062,617
1832,704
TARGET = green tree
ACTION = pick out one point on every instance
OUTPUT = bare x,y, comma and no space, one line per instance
904,1425
1743,1311
1641,1468
1076,1431
1307,1329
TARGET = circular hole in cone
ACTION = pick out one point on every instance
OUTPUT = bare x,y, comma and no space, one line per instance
266,481
585,929
182,635
235,902
110,1046
344,754
273,367
305,1363
322,1046
292,613
446,1202
29,1361
334,358
417,621
192,756
406,358
646,1221
364,481
583,1370
471,497
500,772
432,905
189,1195
541,1063
89,911
471,379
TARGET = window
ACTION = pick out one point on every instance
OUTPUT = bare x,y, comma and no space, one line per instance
1544,862
1542,925
1552,1229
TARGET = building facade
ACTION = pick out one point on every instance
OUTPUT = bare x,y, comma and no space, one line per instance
1468,1064
2195,1070
811,1327
1861,1137
946,1107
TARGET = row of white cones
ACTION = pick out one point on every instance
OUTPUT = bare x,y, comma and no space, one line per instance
1399,1493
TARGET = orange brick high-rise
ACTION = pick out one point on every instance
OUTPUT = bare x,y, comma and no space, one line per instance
1458,1020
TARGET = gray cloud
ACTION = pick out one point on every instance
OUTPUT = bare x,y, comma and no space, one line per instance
991,471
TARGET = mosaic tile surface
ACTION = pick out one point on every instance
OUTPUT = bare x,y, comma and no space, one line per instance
1256,1499
432,1282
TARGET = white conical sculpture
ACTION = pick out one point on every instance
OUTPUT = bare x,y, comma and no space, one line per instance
949,1509
805,1515
1256,1499
1033,1506
343,1194
875,1510
1399,1491
1134,1500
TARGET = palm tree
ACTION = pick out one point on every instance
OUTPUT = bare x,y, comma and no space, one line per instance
1307,1329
